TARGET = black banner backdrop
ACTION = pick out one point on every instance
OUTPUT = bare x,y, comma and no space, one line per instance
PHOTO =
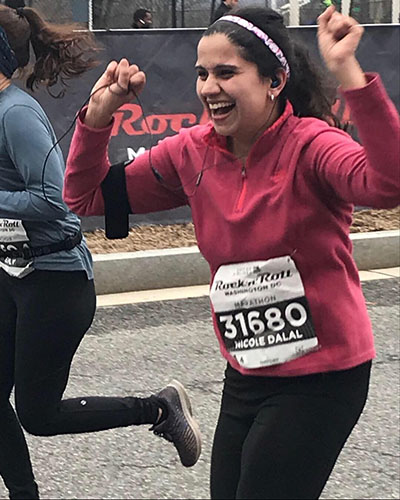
169,99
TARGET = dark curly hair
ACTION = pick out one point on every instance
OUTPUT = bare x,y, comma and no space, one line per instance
61,51
310,91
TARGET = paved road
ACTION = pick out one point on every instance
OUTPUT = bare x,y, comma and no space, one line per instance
136,349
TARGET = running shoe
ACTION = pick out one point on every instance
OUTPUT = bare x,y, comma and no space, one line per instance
179,427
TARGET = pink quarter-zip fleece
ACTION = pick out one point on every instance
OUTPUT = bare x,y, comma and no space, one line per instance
293,196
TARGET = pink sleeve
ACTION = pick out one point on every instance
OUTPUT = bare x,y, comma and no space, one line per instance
88,165
366,174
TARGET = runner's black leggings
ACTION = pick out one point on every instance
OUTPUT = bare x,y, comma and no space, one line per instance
43,318
279,438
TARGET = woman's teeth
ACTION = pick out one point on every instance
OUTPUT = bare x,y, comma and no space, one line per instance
220,107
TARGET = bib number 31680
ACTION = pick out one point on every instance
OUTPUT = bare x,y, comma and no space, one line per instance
262,314
256,322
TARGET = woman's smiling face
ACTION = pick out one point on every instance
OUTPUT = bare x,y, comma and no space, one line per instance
231,89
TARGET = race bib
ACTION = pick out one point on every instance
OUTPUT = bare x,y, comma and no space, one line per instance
262,313
13,237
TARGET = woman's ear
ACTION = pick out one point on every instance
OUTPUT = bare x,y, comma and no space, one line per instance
277,83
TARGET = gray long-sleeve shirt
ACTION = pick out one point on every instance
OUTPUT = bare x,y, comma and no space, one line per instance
28,191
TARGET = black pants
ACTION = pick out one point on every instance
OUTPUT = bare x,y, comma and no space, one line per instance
43,318
279,438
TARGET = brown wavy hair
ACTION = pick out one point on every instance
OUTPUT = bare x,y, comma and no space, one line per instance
61,51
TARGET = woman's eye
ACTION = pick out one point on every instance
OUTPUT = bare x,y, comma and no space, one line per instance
226,73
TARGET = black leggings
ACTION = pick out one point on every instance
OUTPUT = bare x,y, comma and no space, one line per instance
279,438
43,318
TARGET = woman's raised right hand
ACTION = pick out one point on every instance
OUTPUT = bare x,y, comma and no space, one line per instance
119,84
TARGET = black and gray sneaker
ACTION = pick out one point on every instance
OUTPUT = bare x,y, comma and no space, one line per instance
179,427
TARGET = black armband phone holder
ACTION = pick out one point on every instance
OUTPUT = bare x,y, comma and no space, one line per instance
116,203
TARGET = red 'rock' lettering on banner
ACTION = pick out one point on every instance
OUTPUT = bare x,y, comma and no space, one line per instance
129,119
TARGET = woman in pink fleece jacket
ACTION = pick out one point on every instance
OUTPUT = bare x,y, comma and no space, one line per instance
271,183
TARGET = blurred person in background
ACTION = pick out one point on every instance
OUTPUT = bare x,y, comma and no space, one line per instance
142,19
224,9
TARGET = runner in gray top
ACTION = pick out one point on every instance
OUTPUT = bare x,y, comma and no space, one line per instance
47,296
26,136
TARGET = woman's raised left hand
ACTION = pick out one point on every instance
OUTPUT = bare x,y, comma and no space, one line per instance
338,39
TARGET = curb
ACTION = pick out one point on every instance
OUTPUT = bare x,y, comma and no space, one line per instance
179,267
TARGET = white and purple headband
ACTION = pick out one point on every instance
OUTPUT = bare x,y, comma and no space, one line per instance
273,47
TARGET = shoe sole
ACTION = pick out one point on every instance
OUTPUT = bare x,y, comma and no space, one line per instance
187,411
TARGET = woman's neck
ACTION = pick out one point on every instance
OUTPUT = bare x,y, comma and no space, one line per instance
4,82
241,148
238,149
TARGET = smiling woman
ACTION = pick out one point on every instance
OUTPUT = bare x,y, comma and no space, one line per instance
233,92
271,182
